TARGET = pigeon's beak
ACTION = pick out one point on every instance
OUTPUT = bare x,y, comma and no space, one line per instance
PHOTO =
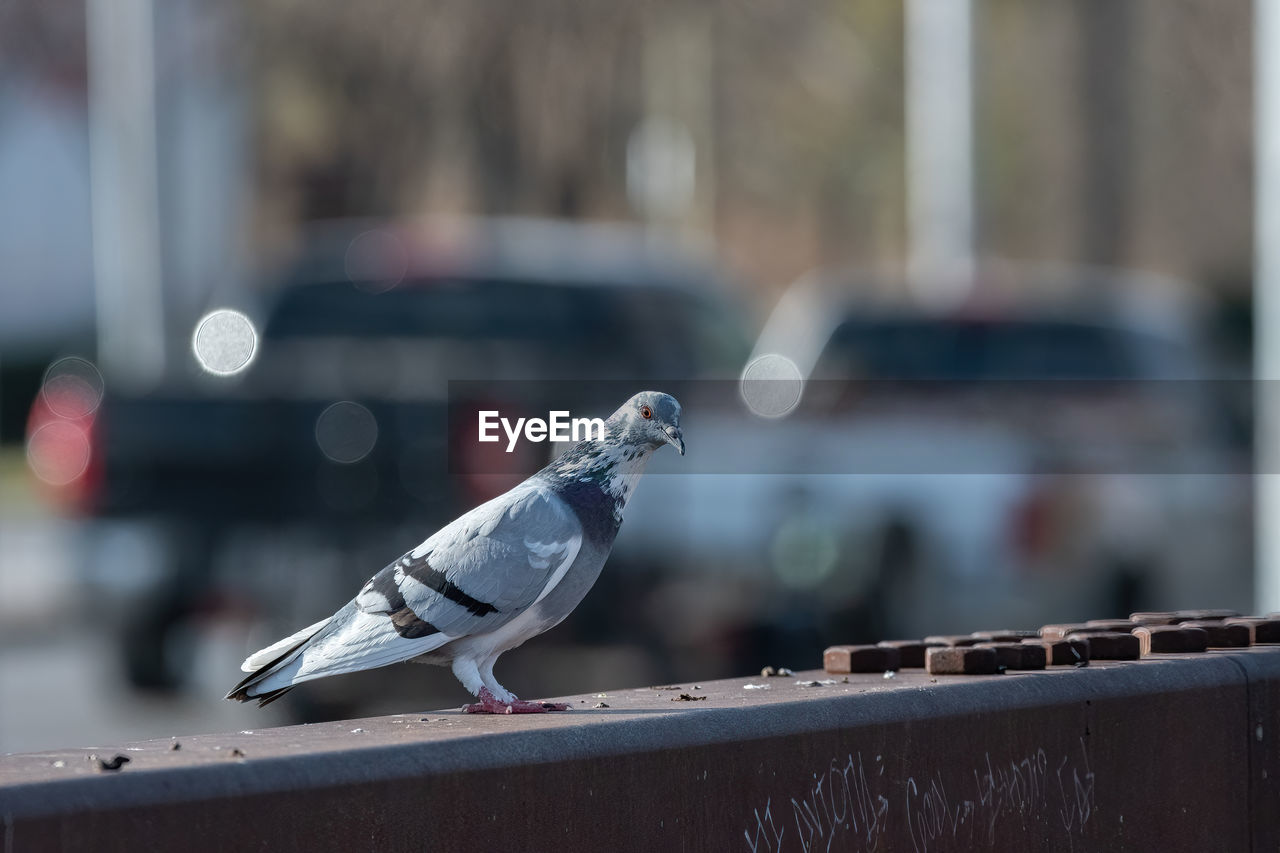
675,438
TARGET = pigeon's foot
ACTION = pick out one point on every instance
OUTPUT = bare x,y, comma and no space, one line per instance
490,704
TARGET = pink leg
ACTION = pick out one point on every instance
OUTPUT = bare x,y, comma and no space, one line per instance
490,704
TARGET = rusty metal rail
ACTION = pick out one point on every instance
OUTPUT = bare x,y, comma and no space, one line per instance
1166,753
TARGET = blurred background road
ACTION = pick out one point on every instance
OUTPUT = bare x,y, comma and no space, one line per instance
59,680
959,299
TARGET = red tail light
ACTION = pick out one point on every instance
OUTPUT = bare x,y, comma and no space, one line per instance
486,470
62,451
1032,525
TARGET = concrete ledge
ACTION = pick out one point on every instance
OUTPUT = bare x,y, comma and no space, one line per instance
1169,753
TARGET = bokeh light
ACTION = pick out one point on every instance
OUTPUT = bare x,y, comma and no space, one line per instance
771,386
224,342
58,452
376,261
804,552
72,388
346,432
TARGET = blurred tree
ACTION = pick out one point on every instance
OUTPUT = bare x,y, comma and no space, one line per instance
1104,72
1115,131
1118,131
1106,129
495,108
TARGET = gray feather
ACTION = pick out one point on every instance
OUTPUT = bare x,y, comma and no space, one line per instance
507,570
485,568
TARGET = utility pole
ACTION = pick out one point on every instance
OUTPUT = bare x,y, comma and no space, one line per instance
1266,301
125,204
939,92
670,165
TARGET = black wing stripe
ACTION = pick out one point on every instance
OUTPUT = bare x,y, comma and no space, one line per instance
384,583
435,579
409,626
407,623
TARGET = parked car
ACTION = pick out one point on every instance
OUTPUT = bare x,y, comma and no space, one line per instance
217,493
1050,448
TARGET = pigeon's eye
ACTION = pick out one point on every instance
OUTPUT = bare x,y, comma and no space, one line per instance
646,413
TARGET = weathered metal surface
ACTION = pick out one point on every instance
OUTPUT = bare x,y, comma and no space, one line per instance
1109,645
1149,617
1017,655
910,652
960,660
1124,625
1058,632
1005,635
1171,639
1063,652
1260,630
1170,754
951,640
1262,679
843,660
1223,635
1198,615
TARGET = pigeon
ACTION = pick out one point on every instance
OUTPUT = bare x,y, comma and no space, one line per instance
504,572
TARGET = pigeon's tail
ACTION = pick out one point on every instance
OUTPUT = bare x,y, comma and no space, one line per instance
272,663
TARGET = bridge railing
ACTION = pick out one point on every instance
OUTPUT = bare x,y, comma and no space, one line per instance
1166,753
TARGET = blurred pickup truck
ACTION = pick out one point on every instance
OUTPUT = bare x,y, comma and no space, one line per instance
217,492
1053,446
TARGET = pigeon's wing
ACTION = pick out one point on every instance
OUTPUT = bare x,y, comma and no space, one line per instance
483,570
473,576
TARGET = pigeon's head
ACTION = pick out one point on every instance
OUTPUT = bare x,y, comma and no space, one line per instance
650,418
